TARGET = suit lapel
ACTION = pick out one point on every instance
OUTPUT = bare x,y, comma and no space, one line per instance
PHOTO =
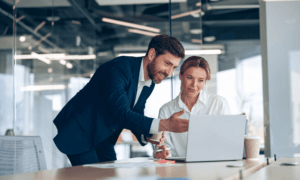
142,98
135,79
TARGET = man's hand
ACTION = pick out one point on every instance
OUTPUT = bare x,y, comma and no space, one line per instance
160,142
163,154
174,123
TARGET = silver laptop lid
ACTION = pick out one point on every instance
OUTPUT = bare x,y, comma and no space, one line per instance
215,137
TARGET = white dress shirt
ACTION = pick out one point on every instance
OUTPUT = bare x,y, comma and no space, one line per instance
207,104
141,84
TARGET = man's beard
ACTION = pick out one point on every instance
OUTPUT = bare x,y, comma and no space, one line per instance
152,72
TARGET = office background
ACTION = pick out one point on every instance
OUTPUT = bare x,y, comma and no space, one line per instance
50,49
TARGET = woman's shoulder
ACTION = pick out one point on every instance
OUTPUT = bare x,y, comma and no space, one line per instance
217,98
220,104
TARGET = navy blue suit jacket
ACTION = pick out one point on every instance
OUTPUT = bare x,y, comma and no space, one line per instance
104,107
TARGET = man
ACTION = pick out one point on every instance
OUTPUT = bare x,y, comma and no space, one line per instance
114,99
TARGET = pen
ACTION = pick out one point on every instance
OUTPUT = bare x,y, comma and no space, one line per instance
159,150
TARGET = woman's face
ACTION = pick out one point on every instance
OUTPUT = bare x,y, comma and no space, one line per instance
193,80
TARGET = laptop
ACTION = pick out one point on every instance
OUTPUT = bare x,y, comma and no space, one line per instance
214,138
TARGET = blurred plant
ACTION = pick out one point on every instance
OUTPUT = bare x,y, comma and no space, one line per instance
244,102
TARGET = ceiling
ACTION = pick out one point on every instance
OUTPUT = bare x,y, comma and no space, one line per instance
77,27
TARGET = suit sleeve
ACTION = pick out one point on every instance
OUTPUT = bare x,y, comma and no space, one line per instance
113,87
141,137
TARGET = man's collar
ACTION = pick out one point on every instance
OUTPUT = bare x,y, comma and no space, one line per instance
142,77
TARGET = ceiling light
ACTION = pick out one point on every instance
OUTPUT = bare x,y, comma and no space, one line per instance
197,41
78,40
63,62
76,22
41,58
209,38
22,38
198,4
198,52
196,31
43,87
195,15
132,54
20,18
69,65
142,32
42,39
39,26
123,23
187,52
133,2
105,53
50,70
80,57
58,56
185,14
48,56
53,18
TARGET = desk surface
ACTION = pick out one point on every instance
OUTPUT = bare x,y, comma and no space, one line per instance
276,171
199,170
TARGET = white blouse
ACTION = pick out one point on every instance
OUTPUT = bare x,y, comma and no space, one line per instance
207,104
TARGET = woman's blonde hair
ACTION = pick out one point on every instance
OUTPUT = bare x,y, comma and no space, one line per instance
195,61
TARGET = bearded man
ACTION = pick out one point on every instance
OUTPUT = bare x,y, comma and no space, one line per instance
114,99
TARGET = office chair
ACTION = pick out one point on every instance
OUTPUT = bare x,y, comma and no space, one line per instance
20,154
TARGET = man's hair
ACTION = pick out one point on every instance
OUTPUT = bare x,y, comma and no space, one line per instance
195,61
164,43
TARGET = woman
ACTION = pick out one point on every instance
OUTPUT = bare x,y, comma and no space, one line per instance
194,73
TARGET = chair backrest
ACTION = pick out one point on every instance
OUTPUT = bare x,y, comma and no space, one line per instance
20,154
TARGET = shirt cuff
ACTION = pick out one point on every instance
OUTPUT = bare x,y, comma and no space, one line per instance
143,139
154,127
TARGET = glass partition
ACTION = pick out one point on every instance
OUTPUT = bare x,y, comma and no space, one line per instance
49,50
6,68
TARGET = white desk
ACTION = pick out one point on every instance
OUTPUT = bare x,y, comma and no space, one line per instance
276,171
199,170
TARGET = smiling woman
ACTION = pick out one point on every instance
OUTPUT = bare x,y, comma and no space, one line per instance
193,75
193,99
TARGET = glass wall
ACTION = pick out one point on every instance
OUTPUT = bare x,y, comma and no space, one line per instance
50,49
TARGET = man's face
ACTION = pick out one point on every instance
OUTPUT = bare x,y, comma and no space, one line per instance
162,66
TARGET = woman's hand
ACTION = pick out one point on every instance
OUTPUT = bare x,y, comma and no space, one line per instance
163,154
